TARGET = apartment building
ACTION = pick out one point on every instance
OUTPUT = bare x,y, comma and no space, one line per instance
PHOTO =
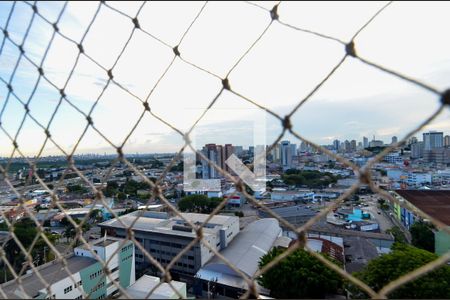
88,278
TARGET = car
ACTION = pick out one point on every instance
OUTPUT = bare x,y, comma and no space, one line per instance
379,212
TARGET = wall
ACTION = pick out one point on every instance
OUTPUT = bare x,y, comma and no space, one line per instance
442,242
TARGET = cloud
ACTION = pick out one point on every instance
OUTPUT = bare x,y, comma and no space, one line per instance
281,69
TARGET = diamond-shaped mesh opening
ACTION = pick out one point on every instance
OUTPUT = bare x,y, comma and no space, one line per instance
62,83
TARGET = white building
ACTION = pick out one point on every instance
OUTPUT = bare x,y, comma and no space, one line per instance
142,287
433,140
417,179
393,158
284,195
286,155
89,280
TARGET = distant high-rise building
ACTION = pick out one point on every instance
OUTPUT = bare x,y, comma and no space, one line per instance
347,146
336,144
251,150
447,141
417,150
394,140
303,147
365,142
228,150
360,146
213,153
353,146
294,149
238,150
275,153
433,140
286,155
412,140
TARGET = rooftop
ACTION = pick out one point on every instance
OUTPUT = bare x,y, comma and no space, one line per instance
243,252
290,211
51,272
432,202
162,223
145,284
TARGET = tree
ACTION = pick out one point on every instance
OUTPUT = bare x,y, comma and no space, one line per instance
299,275
311,179
239,214
70,231
404,259
178,167
422,236
121,196
26,232
76,188
398,234
96,215
199,203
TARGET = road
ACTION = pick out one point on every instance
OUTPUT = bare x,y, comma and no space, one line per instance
382,219
385,219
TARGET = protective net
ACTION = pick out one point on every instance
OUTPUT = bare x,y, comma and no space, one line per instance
13,96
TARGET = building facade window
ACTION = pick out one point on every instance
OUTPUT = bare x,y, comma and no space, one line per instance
78,284
67,289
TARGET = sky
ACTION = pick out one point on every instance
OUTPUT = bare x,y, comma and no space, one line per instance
279,71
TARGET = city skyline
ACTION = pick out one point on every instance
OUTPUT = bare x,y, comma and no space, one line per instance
445,137
357,101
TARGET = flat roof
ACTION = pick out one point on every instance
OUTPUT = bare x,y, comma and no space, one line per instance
291,211
152,223
146,283
361,250
102,242
435,203
51,272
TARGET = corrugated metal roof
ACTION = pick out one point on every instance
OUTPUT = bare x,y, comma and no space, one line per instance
246,249
434,203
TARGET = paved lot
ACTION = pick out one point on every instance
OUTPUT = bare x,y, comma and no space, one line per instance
383,221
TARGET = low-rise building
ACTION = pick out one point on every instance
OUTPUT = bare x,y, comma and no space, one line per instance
393,158
279,194
88,278
437,155
144,285
295,214
164,237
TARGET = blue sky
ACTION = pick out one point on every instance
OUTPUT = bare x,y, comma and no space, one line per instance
282,68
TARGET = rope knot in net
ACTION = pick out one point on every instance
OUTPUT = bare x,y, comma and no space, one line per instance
445,99
176,51
136,23
286,123
350,49
274,13
226,84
